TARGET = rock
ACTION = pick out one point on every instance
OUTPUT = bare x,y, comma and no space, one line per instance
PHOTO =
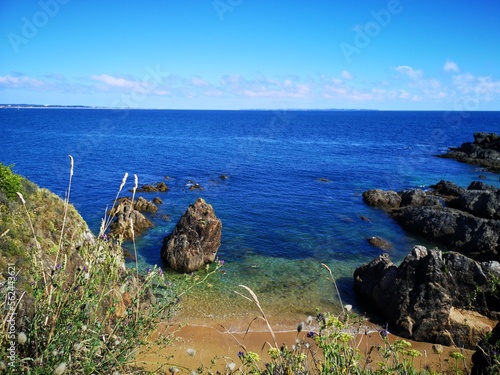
380,243
162,187
143,205
195,239
159,187
147,189
382,199
442,298
479,185
447,189
157,200
463,220
480,203
323,179
364,218
484,151
476,237
223,176
193,185
129,222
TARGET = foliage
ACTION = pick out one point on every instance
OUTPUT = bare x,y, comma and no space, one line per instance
10,183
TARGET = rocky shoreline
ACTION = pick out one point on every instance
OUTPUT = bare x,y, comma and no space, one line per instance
448,296
484,151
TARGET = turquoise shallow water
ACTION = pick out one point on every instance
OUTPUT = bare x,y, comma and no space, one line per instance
279,221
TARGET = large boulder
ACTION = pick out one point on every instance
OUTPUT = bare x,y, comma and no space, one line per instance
477,237
443,298
195,239
479,200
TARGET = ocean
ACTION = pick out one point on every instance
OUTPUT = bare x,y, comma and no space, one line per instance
291,202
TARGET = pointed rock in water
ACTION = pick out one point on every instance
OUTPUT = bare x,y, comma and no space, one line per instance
195,239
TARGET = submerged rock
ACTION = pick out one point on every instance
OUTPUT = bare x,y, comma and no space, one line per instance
443,298
195,239
380,243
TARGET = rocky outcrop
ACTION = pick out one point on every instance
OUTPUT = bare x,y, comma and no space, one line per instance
195,239
484,151
443,298
129,222
381,198
464,220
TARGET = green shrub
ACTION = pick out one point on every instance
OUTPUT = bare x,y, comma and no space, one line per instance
10,183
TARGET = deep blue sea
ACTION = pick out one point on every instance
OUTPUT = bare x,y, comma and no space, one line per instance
280,221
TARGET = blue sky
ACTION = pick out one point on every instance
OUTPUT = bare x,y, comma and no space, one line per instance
247,54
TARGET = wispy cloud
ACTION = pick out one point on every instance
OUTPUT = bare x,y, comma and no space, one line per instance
21,82
408,71
408,85
451,66
477,87
346,75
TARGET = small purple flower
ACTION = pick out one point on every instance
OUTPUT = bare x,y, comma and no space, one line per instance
384,333
58,267
241,354
160,271
311,334
221,262
149,269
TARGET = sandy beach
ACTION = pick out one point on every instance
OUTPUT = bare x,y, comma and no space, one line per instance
200,342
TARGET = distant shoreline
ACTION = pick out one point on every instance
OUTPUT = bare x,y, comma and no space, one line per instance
55,106
43,106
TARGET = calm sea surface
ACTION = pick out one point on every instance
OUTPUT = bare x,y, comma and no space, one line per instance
280,221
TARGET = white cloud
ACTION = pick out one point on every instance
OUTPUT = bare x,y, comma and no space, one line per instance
478,88
18,82
346,75
451,66
410,72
